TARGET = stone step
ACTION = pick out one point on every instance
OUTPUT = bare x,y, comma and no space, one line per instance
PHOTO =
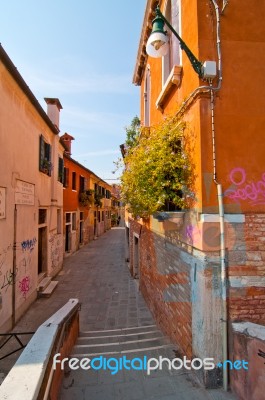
121,347
41,276
120,331
119,337
43,284
49,289
154,351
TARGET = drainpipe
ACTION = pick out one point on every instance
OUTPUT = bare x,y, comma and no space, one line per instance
14,269
188,101
222,252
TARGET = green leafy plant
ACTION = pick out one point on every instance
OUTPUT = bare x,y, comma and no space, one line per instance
157,169
97,199
46,166
86,198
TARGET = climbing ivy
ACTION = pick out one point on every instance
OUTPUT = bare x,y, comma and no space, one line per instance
157,169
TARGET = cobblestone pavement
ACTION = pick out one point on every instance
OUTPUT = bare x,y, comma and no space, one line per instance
114,322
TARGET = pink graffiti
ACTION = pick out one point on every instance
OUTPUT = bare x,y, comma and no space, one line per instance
252,191
24,286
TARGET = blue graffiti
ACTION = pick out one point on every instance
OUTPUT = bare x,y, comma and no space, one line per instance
29,244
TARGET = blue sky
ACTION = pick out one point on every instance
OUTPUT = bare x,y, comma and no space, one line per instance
84,53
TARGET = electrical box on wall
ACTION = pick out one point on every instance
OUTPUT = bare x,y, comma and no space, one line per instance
209,69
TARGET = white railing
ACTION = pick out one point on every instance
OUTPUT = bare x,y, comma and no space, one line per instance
32,376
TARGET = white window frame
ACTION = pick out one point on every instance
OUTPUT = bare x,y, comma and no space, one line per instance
147,96
173,57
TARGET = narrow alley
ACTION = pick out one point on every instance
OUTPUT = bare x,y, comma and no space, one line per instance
114,321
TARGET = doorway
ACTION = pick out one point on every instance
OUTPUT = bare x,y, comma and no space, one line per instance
42,250
68,237
135,257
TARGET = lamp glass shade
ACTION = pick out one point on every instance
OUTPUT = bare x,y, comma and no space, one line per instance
157,45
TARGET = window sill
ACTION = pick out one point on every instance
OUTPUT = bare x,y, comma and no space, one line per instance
45,172
173,82
177,217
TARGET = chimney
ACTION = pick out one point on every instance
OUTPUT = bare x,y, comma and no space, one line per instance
66,139
53,110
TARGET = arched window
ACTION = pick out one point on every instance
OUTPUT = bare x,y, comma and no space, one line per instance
172,14
147,94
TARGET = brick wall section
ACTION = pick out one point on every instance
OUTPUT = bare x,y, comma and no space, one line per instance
164,276
247,303
161,270
247,343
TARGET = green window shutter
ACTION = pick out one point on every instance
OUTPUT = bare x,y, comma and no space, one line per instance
60,170
66,177
42,152
49,153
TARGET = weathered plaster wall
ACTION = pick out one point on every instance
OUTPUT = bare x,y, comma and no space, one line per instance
21,127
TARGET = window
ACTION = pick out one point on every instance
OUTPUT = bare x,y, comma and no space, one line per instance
147,97
60,170
74,221
73,180
42,216
172,10
65,177
67,218
68,244
82,183
45,157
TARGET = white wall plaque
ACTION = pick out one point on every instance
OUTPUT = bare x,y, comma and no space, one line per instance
25,193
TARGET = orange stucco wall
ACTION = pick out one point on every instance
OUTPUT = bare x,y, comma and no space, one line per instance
238,106
71,196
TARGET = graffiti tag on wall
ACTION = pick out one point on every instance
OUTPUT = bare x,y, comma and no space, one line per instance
244,189
8,276
28,244
56,250
3,254
24,261
24,286
9,279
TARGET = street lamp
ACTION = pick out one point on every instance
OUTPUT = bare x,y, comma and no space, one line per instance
157,46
